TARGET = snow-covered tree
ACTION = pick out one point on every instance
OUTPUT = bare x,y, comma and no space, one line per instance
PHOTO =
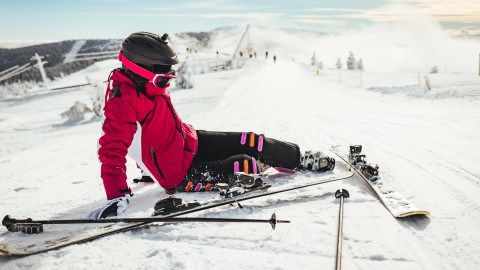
339,64
320,65
97,95
76,112
351,62
434,69
17,89
314,60
184,76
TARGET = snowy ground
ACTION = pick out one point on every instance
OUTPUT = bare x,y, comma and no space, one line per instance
426,141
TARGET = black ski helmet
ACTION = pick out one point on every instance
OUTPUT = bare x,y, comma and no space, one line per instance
150,51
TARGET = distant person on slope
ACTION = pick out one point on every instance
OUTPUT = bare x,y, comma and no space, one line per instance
140,120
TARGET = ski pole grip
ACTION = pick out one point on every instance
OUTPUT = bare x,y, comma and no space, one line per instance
342,193
27,226
8,221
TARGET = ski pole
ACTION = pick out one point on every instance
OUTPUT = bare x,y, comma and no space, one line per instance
340,194
30,226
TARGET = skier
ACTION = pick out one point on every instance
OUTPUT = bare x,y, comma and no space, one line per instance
139,119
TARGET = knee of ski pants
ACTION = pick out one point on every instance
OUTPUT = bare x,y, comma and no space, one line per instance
277,153
242,163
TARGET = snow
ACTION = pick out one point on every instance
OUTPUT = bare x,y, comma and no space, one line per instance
425,142
70,56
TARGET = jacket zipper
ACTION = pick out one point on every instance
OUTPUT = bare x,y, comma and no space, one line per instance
189,150
174,117
152,151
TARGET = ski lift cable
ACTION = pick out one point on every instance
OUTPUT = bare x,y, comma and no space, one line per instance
235,40
241,40
97,53
95,58
8,70
16,72
230,44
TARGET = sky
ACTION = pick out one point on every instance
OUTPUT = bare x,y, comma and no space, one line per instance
53,20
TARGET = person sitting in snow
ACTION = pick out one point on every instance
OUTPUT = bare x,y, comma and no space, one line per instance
140,120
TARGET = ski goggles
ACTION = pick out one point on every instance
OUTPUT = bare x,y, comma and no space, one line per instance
158,80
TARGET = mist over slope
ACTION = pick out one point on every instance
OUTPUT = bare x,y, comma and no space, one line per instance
414,44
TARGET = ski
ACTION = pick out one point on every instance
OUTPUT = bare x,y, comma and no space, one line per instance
19,249
396,204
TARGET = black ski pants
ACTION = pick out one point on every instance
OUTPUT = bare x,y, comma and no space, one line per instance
220,154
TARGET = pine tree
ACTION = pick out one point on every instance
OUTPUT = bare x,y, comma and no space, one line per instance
339,64
351,62
320,65
314,60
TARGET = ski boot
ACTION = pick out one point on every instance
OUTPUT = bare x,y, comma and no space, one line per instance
316,161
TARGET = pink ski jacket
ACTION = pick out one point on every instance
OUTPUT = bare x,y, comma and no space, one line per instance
148,129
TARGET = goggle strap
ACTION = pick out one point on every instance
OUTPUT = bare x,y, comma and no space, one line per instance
135,68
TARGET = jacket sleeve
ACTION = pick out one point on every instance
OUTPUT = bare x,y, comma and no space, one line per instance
118,128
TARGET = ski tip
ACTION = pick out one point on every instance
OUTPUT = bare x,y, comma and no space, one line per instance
417,213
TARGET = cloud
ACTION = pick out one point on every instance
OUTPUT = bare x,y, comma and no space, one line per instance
134,14
463,32
262,16
387,13
324,20
461,11
215,5
458,11
382,14
157,9
341,16
247,15
466,19
205,4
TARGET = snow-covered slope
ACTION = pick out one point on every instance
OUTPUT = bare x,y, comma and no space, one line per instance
425,142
